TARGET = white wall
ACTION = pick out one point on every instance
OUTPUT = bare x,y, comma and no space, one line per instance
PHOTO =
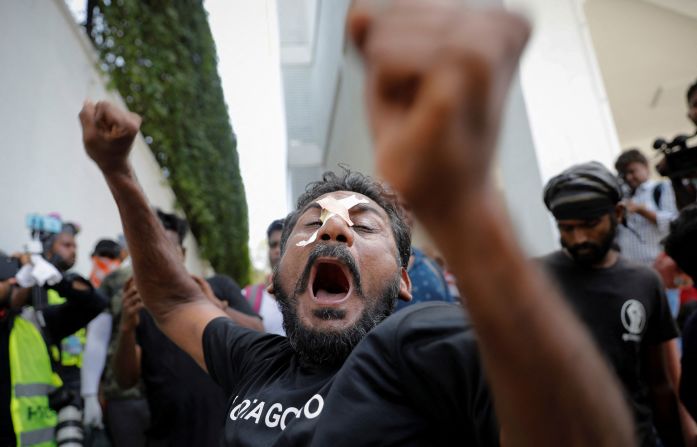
48,69
568,108
558,114
646,53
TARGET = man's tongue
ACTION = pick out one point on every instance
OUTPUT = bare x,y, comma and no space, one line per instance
331,284
325,296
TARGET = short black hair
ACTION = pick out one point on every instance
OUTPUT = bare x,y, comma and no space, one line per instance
49,239
628,157
361,184
107,248
172,222
276,225
691,90
681,243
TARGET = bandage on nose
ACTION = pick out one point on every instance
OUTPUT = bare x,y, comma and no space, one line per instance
332,207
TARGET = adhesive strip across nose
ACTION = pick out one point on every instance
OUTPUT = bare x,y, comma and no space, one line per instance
332,207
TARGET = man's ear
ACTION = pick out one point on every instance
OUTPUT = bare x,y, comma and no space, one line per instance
619,211
270,289
404,286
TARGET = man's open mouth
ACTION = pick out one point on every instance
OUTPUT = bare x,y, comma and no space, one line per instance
330,281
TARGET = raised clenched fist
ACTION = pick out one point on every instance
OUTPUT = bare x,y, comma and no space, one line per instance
131,305
108,133
437,74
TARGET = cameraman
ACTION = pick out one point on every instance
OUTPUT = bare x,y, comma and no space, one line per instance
28,372
60,249
650,207
685,186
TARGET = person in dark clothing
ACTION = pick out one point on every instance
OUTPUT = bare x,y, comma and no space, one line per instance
185,404
427,281
685,186
622,303
47,324
681,246
427,277
437,74
60,249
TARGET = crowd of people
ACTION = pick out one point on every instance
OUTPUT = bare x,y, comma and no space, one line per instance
356,337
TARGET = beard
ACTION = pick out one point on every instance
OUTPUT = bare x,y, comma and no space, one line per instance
332,347
589,254
62,264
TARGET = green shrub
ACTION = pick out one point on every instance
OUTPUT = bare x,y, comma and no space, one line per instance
160,55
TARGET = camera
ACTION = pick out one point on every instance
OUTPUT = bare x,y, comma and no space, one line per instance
680,160
66,403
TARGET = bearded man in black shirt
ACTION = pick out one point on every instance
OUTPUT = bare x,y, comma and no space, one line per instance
622,303
437,77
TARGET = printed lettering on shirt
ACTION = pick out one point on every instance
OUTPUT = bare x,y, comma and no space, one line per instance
275,415
633,316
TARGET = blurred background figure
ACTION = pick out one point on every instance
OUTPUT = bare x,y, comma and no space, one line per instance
261,301
679,161
39,365
185,404
428,281
681,246
106,257
649,205
432,252
622,303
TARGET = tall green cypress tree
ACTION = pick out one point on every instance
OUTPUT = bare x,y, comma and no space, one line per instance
161,57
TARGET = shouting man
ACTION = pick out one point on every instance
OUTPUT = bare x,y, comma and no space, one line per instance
437,77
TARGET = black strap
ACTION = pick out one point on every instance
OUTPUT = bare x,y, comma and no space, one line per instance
657,192
40,302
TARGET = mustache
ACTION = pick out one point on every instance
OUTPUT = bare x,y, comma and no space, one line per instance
339,252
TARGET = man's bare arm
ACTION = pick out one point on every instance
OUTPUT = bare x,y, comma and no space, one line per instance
126,361
172,297
437,77
662,360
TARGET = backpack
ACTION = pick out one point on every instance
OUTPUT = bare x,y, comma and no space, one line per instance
253,294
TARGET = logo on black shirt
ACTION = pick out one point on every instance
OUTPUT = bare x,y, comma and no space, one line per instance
275,415
633,317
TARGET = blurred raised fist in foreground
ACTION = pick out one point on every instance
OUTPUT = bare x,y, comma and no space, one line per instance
437,76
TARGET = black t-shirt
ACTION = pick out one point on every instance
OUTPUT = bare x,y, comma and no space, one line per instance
187,408
414,380
625,309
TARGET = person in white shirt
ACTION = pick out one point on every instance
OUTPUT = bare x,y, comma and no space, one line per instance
650,208
260,300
